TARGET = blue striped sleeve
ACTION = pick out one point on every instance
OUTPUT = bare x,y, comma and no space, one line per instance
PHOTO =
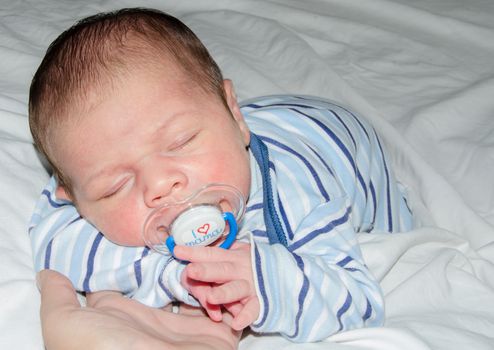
332,181
62,240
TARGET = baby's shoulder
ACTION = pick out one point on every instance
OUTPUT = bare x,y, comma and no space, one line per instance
309,118
287,102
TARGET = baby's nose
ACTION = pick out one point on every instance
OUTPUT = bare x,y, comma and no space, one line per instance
161,184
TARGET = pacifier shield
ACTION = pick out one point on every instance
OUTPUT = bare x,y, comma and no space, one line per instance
196,220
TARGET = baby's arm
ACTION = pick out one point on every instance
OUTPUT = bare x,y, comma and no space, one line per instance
63,241
315,287
319,284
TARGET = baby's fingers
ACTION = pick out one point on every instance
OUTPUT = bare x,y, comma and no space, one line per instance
214,311
234,308
230,292
247,316
201,254
200,291
217,272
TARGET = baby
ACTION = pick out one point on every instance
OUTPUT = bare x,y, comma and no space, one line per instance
132,112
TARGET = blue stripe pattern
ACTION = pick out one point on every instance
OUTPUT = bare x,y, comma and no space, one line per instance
48,255
306,163
53,203
90,263
137,267
59,238
301,297
262,289
332,181
275,230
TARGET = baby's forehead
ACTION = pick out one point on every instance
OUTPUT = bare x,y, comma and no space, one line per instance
113,72
136,86
108,80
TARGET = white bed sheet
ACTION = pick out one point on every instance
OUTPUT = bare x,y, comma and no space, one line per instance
421,71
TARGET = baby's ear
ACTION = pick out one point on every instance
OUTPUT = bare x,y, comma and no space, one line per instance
62,193
231,100
231,97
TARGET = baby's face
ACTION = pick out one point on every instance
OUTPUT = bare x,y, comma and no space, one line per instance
151,140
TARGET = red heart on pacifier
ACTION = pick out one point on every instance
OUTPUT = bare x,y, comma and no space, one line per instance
203,229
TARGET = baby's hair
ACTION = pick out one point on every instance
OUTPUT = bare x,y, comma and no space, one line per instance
90,53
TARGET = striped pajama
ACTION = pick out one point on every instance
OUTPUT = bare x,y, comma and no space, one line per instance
319,177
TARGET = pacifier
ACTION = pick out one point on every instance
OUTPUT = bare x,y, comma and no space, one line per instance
199,220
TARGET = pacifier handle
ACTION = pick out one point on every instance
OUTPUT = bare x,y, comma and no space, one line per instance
232,223
230,238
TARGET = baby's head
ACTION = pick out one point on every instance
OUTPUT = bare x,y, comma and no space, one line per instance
131,111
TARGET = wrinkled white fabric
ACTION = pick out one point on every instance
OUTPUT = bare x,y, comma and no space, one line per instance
422,71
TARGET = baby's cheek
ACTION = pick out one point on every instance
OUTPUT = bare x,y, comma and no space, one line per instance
219,172
123,226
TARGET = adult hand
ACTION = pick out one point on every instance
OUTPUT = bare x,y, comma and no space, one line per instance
112,321
218,277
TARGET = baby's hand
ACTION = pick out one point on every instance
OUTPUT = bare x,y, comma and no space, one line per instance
219,277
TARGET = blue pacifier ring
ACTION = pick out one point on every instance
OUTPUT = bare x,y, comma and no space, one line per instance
230,238
232,223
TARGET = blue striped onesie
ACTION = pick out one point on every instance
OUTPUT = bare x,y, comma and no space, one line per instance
319,177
